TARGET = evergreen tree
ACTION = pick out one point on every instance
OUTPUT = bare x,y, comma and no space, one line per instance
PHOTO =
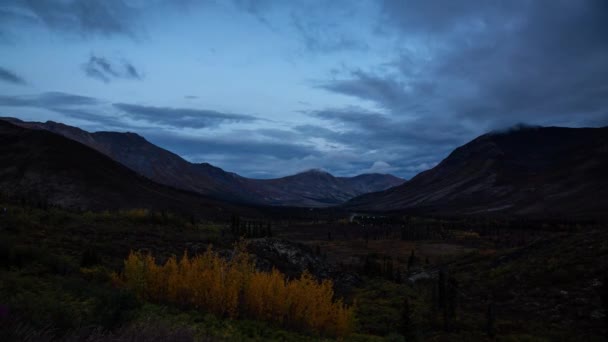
604,298
490,320
449,312
406,317
452,296
411,260
441,290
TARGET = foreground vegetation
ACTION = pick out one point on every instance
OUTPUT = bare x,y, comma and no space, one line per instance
56,268
234,288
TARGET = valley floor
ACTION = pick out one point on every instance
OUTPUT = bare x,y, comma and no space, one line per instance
417,279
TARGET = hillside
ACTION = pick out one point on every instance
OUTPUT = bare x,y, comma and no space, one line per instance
165,167
319,188
536,172
40,166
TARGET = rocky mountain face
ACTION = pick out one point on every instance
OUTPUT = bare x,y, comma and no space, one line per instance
533,171
312,188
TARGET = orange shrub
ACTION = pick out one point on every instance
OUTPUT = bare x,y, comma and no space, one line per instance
234,288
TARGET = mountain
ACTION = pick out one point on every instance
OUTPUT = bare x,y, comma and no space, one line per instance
320,188
44,167
531,171
310,189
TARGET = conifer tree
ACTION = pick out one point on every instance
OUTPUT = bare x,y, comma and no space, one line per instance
410,261
604,298
406,319
441,289
490,320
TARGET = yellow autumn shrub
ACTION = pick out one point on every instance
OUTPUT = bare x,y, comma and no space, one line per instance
234,288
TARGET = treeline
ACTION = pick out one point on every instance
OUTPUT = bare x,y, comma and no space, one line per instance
234,288
250,229
506,232
375,265
379,266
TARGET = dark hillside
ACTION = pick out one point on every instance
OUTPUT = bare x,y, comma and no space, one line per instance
533,172
40,166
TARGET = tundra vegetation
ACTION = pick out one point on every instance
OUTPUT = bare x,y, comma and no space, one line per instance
150,275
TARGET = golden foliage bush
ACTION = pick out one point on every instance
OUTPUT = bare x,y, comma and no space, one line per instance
234,288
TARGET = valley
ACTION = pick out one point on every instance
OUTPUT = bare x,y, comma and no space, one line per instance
436,264
291,171
554,268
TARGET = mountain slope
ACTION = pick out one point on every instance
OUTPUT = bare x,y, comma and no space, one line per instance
318,188
41,166
530,171
165,167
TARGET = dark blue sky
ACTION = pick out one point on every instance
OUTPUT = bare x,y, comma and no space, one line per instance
269,88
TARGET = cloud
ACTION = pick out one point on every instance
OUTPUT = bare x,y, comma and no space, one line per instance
403,144
11,77
354,116
259,151
181,117
320,36
466,68
96,110
320,27
105,70
427,77
377,130
82,108
438,17
96,118
233,146
248,155
47,100
106,18
499,63
258,9
380,167
383,90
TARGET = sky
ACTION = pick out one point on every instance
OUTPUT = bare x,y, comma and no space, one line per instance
269,88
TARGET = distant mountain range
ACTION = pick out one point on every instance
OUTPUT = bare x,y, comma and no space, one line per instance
531,171
312,188
526,172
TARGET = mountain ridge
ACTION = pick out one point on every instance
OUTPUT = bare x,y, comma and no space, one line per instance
48,168
166,167
530,171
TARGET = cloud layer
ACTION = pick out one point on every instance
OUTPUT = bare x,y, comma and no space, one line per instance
181,117
107,18
105,70
376,86
11,77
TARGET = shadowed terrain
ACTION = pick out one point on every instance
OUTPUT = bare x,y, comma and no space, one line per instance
531,172
43,167
312,188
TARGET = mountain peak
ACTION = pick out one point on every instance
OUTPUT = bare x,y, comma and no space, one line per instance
314,187
315,171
